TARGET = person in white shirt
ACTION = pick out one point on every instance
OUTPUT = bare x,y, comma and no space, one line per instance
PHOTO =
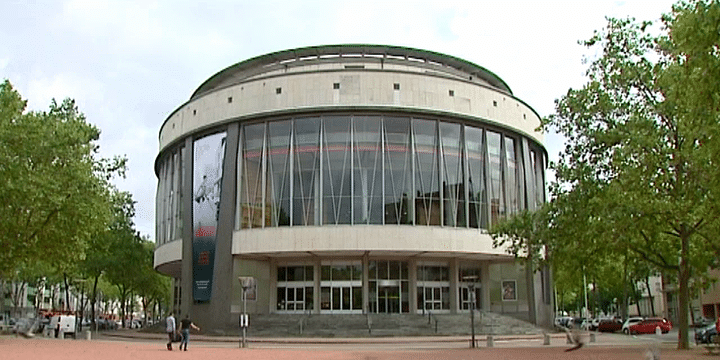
170,329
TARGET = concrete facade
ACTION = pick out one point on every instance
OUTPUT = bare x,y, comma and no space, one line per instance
326,242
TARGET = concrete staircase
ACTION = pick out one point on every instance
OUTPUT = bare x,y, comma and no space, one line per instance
346,326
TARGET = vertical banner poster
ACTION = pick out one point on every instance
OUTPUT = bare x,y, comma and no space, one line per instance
209,153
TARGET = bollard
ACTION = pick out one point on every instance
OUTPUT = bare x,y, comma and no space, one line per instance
546,339
61,333
592,337
490,341
569,339
87,335
658,331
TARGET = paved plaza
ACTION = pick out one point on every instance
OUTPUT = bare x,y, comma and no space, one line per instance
153,348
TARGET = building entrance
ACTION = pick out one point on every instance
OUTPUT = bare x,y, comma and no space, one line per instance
341,287
388,282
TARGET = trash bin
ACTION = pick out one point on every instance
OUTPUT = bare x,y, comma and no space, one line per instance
88,335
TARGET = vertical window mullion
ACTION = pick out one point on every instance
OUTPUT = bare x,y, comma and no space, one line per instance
441,171
291,154
238,196
383,165
263,174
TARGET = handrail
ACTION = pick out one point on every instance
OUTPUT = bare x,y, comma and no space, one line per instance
431,317
369,322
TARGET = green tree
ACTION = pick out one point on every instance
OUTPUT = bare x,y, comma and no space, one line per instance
152,287
640,165
53,187
99,259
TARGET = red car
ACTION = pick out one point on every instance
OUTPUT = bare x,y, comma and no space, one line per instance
610,325
649,325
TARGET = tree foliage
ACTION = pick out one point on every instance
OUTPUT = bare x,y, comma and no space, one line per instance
639,174
53,187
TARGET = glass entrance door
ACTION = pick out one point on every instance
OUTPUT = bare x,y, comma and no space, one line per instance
388,282
389,299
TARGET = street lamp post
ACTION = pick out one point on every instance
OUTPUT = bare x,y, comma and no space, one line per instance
471,297
246,283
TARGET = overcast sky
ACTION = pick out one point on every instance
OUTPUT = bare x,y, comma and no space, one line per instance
129,64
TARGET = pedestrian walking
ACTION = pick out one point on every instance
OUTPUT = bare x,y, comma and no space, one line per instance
170,329
185,325
575,337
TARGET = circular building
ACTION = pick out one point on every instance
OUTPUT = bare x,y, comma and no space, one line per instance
348,179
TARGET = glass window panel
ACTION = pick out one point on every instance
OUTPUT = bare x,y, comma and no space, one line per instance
372,270
346,298
309,273
367,170
357,272
299,292
336,170
357,298
296,273
540,178
453,175
394,270
420,298
398,171
281,298
278,173
307,172
281,274
325,298
511,178
335,298
403,270
497,198
445,298
290,294
325,273
309,298
340,273
382,270
251,208
405,297
478,217
427,204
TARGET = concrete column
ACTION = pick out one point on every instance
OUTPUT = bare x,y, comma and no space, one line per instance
272,302
215,313
453,267
316,289
366,283
485,287
412,282
186,273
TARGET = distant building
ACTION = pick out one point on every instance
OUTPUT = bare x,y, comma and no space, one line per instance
348,179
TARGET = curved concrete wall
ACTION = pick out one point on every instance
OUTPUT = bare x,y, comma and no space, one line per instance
305,91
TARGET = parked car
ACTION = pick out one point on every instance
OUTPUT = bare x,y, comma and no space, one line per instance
563,321
629,322
610,325
706,335
649,326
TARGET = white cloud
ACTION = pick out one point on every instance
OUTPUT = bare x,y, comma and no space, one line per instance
129,64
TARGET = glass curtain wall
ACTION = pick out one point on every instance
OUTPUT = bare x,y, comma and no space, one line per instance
342,169
169,195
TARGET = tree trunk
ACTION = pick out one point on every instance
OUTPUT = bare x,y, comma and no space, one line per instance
93,301
67,293
649,290
683,293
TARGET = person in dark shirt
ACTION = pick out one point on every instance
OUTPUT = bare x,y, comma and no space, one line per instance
185,325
